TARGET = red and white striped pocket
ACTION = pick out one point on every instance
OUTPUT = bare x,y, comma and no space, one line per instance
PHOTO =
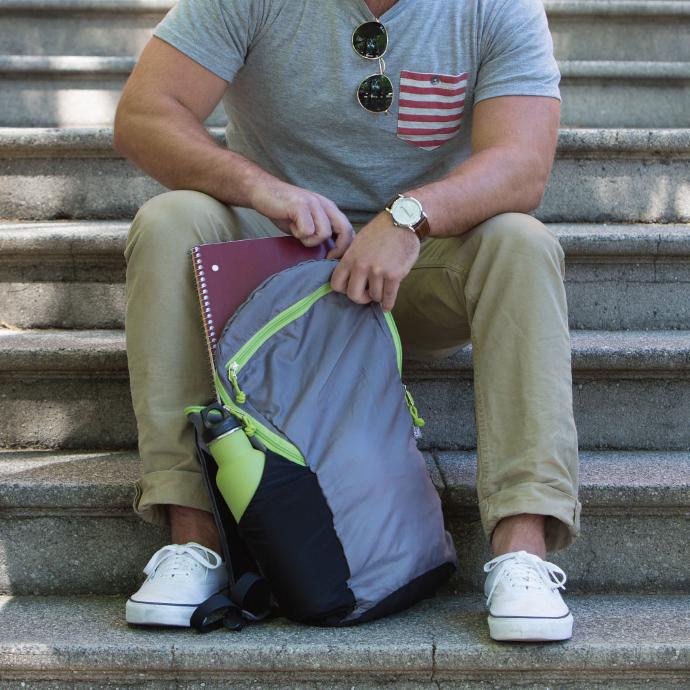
430,107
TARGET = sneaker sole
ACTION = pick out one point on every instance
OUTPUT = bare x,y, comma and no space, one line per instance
140,613
531,629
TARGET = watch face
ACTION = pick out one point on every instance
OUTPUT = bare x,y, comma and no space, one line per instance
407,211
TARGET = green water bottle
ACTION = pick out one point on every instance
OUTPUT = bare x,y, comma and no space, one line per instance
240,465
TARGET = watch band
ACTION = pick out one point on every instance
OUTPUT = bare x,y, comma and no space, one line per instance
421,228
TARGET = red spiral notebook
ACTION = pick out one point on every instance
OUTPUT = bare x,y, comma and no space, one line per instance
227,273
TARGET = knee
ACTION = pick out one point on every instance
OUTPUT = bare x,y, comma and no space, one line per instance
520,235
168,220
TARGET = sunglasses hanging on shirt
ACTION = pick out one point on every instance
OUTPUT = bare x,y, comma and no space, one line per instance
375,93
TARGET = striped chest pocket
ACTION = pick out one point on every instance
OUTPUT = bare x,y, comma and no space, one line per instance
430,107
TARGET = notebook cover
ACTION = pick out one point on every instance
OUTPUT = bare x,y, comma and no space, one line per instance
227,273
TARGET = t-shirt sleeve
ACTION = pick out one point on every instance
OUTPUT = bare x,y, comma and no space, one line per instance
215,33
516,52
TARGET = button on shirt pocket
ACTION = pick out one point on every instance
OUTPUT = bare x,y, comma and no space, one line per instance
430,108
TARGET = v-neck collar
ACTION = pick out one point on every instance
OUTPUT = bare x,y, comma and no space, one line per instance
390,13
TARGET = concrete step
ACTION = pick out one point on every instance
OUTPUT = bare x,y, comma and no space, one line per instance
70,389
619,29
65,91
619,642
70,275
83,91
601,175
582,29
68,526
619,94
79,27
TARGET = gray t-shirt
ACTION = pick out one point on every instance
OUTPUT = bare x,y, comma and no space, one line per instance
293,77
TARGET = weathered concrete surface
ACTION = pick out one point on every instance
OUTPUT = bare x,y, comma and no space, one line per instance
73,27
636,507
70,275
621,30
582,30
599,176
83,91
619,642
621,94
67,524
631,390
66,91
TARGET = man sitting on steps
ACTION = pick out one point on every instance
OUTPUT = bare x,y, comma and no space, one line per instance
333,115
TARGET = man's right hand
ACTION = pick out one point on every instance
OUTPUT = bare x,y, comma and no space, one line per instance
308,216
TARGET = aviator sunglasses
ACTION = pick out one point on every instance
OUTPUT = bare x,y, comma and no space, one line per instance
375,93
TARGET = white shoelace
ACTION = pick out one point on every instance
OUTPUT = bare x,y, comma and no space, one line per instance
182,559
525,570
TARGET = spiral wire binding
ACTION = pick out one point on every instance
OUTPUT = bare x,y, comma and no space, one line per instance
205,304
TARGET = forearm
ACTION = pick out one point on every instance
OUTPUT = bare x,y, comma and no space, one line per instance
172,146
495,180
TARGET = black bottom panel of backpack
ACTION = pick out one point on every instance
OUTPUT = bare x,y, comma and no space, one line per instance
288,527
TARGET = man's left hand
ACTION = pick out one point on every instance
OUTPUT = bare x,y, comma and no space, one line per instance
378,259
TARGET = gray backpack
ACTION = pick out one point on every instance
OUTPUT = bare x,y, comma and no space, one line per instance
342,521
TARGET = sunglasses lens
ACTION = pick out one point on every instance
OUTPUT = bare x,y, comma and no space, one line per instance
375,93
370,40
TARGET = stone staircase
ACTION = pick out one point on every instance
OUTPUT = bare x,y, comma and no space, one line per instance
70,547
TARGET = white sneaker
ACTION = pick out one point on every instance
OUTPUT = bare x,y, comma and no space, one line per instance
180,577
523,599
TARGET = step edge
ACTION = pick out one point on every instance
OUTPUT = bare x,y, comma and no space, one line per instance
107,239
92,66
88,142
86,6
641,8
664,488
620,8
23,351
432,648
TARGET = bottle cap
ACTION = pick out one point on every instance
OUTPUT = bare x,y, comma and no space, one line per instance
217,422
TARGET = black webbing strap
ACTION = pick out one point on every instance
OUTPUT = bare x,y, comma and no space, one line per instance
252,595
216,612
248,595
250,598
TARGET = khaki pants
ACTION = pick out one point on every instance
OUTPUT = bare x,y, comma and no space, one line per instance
499,285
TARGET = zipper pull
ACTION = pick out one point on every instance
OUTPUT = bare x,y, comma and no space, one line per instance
240,395
418,421
246,420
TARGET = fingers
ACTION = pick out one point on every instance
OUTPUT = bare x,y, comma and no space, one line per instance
308,216
357,288
354,285
342,230
364,287
339,278
390,294
302,226
375,286
322,224
317,219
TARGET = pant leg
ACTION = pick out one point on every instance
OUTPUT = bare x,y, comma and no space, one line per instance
168,362
501,285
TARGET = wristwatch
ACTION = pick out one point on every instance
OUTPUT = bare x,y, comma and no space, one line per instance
407,212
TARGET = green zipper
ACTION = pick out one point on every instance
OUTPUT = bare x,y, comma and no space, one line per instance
409,400
247,351
252,427
396,339
271,440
